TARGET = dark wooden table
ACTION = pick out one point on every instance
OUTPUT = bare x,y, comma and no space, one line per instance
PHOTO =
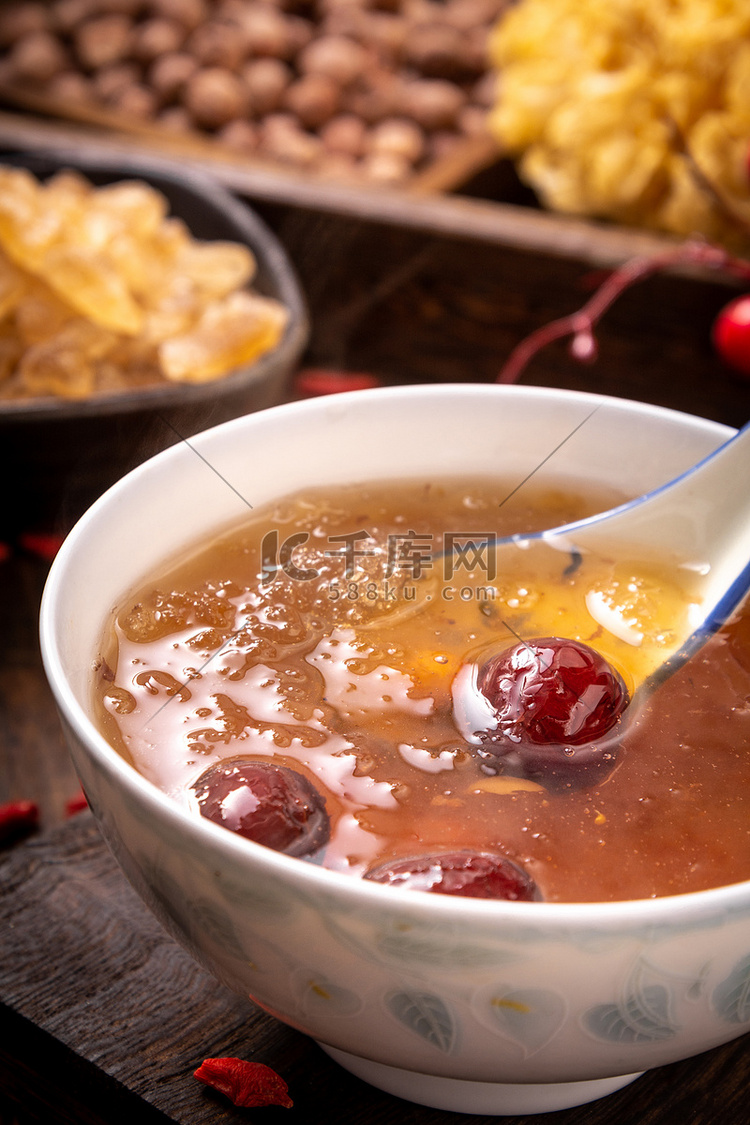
102,1017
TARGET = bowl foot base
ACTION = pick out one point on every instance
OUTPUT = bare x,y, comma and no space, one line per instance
462,1096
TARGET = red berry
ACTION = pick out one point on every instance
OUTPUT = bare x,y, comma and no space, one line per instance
272,805
470,874
731,334
17,818
247,1084
311,382
556,704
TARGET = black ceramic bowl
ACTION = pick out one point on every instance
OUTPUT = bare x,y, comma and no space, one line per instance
57,456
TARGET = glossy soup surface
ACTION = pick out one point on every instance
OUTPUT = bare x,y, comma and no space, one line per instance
337,632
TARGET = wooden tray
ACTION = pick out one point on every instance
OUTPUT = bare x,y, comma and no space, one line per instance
421,206
443,174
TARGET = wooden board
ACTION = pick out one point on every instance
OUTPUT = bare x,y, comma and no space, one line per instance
103,1019
119,1013
498,223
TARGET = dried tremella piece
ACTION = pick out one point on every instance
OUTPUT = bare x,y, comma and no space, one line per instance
634,112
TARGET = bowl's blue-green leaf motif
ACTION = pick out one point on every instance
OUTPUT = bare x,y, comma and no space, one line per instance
531,1017
318,993
402,941
696,989
641,1017
731,998
419,947
211,921
261,899
190,920
426,1015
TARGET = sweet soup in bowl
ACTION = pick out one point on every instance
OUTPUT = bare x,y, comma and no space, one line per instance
356,676
491,875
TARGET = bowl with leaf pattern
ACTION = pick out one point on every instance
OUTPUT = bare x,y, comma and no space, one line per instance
484,1006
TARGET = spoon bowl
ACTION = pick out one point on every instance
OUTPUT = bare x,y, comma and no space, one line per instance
695,529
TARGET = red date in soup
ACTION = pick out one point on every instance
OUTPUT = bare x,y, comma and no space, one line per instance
557,707
272,805
351,677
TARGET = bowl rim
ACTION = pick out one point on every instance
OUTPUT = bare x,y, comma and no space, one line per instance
251,230
725,901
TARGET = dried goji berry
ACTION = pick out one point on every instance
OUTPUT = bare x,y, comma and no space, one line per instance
76,804
314,381
43,544
16,818
245,1083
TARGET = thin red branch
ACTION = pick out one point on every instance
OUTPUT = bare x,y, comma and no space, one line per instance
580,325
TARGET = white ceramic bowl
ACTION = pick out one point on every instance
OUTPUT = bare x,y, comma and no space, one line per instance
463,1004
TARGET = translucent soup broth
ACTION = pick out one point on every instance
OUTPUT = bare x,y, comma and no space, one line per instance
335,631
